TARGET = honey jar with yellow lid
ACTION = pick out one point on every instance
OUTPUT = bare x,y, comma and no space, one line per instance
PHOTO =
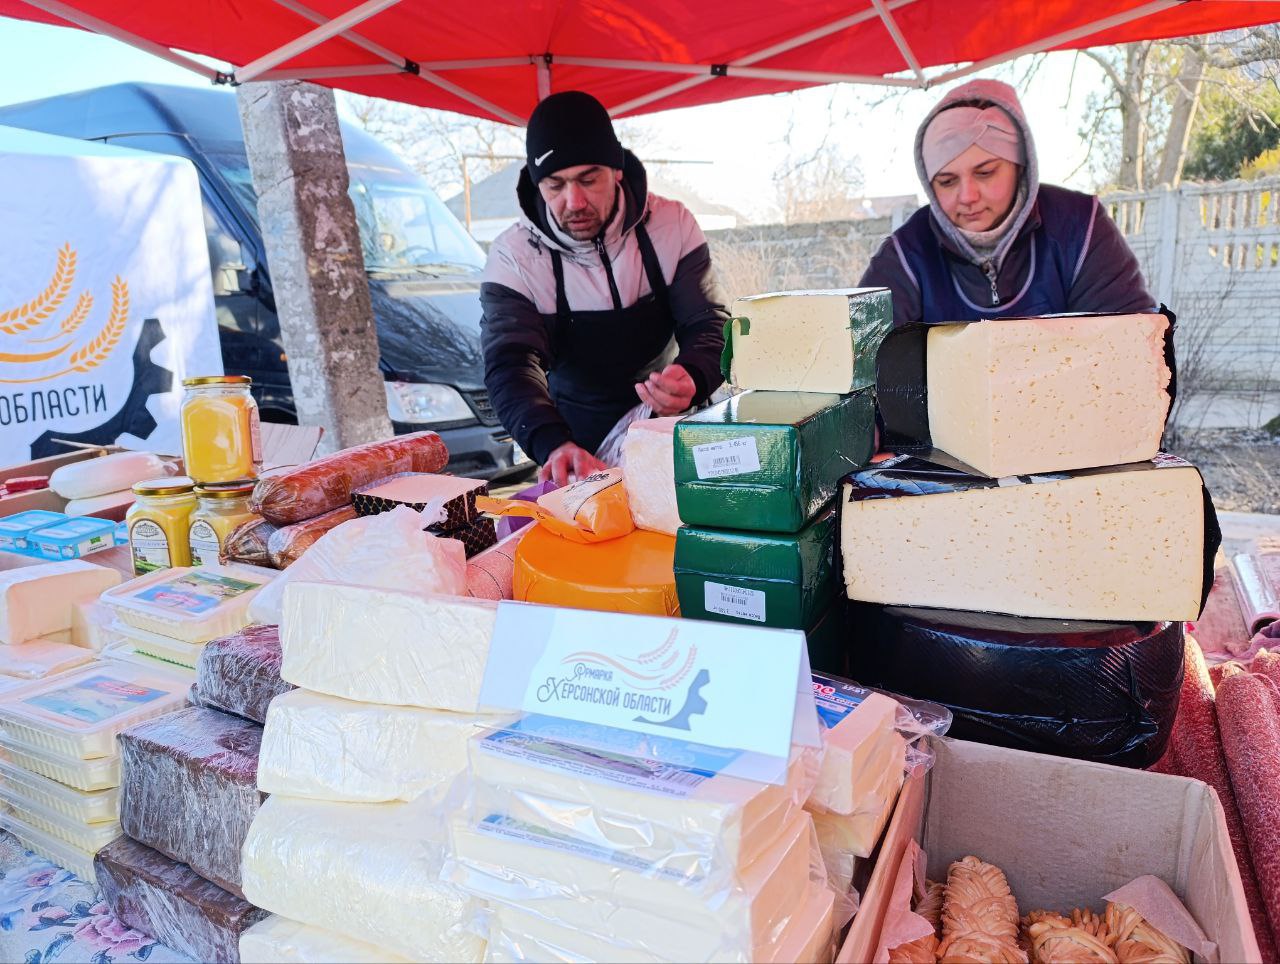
220,510
221,436
159,522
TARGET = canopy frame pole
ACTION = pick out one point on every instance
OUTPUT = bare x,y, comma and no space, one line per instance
349,70
543,67
313,38
403,63
1067,36
730,70
900,41
94,25
772,51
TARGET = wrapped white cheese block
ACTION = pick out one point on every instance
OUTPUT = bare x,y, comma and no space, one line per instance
648,464
633,903
688,820
844,836
860,751
39,600
1015,396
40,658
110,473
327,748
384,646
370,871
278,940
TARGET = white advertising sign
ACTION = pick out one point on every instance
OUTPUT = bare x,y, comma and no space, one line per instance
106,301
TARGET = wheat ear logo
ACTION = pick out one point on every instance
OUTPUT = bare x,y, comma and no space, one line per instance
26,328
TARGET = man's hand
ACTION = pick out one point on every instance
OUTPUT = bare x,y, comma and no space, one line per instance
569,463
668,392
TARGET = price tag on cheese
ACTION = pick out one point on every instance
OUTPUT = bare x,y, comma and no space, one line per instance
672,682
735,456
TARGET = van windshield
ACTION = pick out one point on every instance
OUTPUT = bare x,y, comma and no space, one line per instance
403,225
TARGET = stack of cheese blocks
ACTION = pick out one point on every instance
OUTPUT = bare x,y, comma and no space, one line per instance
349,847
61,711
756,475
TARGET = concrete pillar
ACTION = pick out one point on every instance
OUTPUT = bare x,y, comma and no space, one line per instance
308,223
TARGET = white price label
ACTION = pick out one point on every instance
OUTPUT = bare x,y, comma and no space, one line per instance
733,601
735,456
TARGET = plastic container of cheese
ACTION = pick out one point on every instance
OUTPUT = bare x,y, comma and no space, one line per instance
77,716
14,528
89,837
88,775
163,648
71,538
188,604
31,790
49,847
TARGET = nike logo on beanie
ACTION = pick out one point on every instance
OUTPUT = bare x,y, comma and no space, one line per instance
538,160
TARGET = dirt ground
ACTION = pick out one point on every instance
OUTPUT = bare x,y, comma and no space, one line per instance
1241,467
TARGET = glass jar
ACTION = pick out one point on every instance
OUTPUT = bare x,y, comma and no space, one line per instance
220,510
159,522
221,438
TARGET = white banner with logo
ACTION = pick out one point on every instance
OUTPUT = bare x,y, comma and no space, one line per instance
106,301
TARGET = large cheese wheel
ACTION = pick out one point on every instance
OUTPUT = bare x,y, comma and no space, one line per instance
1098,691
633,574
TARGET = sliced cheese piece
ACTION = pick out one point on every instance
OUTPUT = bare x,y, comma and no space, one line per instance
631,574
278,940
808,341
861,753
648,465
1110,544
688,819
638,904
327,748
91,624
39,600
40,658
370,871
844,836
1016,396
384,646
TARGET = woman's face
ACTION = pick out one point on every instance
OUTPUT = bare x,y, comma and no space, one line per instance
977,189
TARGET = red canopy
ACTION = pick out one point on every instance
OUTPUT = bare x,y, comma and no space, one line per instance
494,59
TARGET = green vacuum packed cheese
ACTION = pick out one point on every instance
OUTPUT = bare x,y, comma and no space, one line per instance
769,461
782,580
807,341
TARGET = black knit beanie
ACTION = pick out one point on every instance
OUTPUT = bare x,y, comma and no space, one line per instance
568,129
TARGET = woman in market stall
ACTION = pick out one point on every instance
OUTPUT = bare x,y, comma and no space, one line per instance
993,241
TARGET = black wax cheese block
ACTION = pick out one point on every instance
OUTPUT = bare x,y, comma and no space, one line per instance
1099,691
416,490
475,537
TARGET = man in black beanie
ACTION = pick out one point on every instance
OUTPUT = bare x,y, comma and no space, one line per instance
600,299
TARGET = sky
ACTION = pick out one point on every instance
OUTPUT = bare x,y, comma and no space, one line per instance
743,140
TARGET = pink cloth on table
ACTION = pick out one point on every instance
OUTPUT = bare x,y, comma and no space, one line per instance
1220,630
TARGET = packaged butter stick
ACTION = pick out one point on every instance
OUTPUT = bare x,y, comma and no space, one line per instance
593,509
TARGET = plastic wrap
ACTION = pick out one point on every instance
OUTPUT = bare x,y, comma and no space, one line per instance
189,789
193,605
491,574
327,483
110,473
250,543
286,545
648,464
382,646
39,658
1125,542
510,524
326,748
38,601
633,574
1098,691
783,580
168,900
417,490
278,940
111,504
807,341
593,509
370,871
386,551
1257,585
769,461
240,674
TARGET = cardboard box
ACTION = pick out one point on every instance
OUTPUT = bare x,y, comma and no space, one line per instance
1065,832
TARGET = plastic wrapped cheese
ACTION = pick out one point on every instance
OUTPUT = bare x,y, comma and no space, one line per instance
648,464
859,752
240,673
193,605
40,658
327,748
39,600
382,646
370,871
593,509
190,790
110,473
278,940
168,900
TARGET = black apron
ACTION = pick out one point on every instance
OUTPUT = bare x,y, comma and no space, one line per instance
600,355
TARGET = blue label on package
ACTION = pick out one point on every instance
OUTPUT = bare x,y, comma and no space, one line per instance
836,698
95,699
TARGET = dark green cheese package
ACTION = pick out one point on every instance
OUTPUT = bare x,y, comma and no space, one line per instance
781,580
769,461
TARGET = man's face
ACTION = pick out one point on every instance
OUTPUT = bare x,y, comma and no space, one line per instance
581,198
977,189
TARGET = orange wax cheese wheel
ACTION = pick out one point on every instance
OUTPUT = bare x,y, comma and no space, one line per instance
630,574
